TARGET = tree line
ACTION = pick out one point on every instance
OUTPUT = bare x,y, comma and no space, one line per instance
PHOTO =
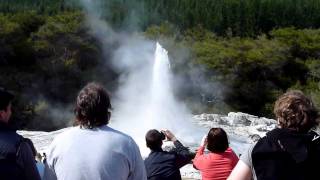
236,17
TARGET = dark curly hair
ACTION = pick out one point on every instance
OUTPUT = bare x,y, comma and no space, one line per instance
92,106
217,140
296,111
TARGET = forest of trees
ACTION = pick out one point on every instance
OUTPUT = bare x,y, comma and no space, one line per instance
238,17
257,49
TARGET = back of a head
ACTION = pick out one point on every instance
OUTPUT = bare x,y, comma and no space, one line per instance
217,140
92,106
295,111
154,139
5,98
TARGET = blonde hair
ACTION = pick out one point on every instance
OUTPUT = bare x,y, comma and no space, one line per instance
296,111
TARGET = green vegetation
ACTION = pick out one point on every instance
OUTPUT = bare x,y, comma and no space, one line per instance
247,52
46,57
238,17
254,71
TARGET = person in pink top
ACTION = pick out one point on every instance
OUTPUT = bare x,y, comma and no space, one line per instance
219,162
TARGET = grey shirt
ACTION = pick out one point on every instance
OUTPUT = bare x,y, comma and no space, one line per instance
247,159
99,153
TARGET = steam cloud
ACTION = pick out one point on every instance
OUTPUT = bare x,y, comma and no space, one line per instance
142,101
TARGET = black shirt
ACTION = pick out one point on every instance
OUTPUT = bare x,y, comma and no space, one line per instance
163,165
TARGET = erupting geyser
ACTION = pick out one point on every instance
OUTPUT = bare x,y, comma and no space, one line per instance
146,101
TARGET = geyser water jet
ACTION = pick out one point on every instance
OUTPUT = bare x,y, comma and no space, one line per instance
153,105
144,99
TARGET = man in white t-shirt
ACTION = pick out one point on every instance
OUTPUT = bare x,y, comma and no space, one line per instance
92,150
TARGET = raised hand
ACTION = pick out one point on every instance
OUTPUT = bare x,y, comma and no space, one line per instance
170,136
204,141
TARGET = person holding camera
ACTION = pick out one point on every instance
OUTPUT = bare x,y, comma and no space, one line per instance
219,162
163,165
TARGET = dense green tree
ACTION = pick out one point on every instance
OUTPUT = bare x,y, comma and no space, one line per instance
241,17
45,60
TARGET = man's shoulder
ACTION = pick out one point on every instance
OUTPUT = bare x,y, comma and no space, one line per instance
103,130
64,132
116,132
10,133
117,135
160,155
10,137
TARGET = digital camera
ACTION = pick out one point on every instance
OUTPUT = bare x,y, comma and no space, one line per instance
163,137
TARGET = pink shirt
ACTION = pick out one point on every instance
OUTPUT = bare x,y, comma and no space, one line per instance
215,166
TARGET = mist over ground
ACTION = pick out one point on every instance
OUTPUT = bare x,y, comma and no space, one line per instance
125,68
144,98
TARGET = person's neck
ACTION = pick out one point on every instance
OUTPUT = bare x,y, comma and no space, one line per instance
4,125
157,149
3,121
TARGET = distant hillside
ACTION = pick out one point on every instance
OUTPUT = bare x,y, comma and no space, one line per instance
237,17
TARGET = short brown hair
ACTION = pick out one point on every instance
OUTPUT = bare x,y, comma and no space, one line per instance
295,111
92,106
217,140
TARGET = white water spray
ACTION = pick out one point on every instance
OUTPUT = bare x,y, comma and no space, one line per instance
147,102
161,111
144,99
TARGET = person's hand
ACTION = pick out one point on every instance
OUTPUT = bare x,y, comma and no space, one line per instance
169,135
204,141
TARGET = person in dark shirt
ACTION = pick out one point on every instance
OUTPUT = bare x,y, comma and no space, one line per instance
16,156
289,152
163,165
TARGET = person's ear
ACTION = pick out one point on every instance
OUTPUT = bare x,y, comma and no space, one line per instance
278,122
109,115
2,114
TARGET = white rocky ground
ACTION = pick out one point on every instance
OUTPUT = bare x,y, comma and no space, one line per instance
243,129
